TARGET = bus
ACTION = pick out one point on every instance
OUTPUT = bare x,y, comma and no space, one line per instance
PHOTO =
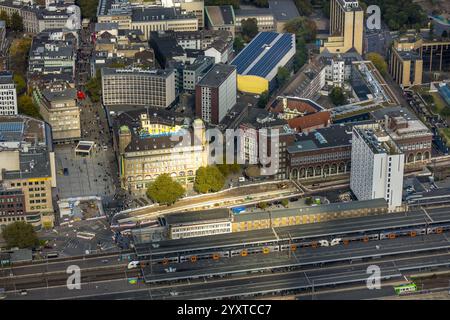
405,288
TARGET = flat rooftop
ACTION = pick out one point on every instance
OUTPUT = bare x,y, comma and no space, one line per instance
338,135
217,75
205,216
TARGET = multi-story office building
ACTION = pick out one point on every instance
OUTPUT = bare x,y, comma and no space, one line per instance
156,19
153,142
58,107
256,144
412,54
346,27
138,87
12,206
27,163
220,18
196,7
215,94
193,72
377,165
265,19
411,135
8,94
320,154
178,15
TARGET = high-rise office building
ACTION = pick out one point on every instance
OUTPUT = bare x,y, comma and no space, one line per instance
377,165
346,27
215,94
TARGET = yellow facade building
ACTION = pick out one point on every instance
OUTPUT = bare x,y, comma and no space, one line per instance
346,27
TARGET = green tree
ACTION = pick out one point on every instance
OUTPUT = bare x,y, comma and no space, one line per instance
94,87
378,62
4,16
249,28
337,96
308,201
21,85
238,44
88,8
302,27
20,234
263,205
165,190
18,53
285,203
283,76
16,22
208,179
27,107
401,14
301,54
263,100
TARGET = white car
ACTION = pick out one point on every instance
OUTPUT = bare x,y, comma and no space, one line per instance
133,264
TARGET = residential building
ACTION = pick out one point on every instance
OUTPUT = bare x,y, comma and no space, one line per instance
53,52
346,27
8,94
152,142
138,87
308,82
58,107
215,93
377,165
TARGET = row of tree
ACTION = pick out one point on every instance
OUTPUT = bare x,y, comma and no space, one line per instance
165,190
15,22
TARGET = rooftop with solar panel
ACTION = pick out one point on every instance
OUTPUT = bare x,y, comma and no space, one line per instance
263,56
